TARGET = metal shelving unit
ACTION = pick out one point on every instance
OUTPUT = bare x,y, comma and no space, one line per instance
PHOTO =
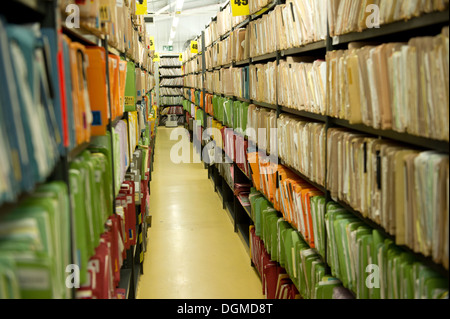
47,13
399,31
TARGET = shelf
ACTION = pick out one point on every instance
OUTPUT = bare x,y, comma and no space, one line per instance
171,76
243,62
245,233
226,35
427,20
419,256
440,146
114,51
321,45
304,177
117,120
169,67
266,105
125,280
269,56
242,24
242,99
23,11
171,86
73,154
305,114
82,35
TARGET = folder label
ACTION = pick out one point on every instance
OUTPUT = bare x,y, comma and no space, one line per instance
240,8
129,101
96,118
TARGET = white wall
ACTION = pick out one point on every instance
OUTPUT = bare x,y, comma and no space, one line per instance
188,28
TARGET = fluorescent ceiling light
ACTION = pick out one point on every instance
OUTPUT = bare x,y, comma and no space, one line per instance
175,22
179,5
172,34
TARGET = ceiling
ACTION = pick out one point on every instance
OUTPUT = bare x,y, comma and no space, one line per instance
195,15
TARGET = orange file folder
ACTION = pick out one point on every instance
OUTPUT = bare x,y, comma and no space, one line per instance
98,95
122,86
114,62
81,103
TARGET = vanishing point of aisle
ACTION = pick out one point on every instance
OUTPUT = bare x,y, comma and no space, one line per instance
193,252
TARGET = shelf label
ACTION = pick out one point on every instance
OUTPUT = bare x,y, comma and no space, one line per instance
181,57
152,43
194,47
240,8
141,7
156,57
129,101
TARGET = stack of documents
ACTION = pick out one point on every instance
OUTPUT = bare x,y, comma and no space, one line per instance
274,240
263,82
240,44
346,16
170,91
373,266
35,246
211,33
104,267
193,66
171,82
300,203
193,80
209,104
31,126
404,190
224,22
302,85
240,80
170,72
262,128
175,61
394,86
294,24
302,145
209,82
171,100
263,35
91,197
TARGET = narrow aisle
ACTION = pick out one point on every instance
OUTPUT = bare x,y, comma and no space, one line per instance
193,252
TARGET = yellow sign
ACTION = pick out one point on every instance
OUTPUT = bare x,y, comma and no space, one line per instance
141,7
194,47
156,57
129,101
152,43
240,8
181,57
104,13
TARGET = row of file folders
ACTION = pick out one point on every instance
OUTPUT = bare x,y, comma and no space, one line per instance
393,86
46,109
35,241
300,230
301,22
402,189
